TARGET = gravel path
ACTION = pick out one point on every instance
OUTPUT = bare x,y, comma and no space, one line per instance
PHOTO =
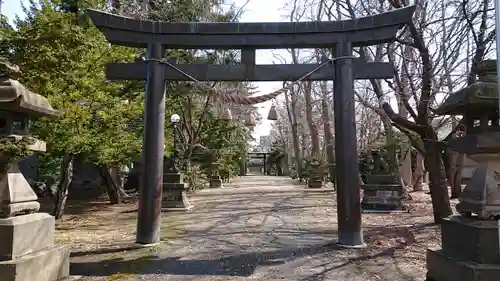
258,228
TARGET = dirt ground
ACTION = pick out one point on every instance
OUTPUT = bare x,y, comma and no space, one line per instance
268,234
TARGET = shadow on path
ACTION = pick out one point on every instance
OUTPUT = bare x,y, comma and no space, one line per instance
270,235
234,265
226,263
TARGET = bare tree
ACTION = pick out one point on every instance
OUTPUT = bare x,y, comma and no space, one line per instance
430,62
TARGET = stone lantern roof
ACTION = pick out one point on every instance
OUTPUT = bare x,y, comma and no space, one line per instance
479,96
17,98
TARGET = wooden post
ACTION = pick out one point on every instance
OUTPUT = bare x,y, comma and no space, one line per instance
150,194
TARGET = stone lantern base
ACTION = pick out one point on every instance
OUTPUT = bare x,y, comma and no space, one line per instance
471,256
382,193
27,248
174,193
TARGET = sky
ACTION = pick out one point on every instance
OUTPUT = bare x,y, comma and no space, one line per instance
254,11
12,7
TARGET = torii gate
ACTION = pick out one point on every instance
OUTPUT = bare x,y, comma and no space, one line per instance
342,36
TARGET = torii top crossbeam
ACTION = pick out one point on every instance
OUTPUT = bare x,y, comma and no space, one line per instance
248,37
366,31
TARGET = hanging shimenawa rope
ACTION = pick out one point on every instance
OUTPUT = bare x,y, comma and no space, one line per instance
244,100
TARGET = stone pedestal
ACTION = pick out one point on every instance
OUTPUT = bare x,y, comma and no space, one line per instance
216,182
28,252
470,251
382,193
314,183
174,193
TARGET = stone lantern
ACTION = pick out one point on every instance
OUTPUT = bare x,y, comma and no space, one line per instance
478,104
470,241
27,251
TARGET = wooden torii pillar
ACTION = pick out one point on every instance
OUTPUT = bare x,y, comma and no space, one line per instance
342,36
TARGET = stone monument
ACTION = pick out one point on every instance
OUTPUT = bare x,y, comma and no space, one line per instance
470,241
27,251
383,190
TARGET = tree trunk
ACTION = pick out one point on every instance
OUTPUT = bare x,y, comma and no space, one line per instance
65,178
450,159
303,142
456,188
391,148
449,165
310,121
405,164
292,117
453,163
405,157
113,189
418,176
437,178
292,108
296,150
330,148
